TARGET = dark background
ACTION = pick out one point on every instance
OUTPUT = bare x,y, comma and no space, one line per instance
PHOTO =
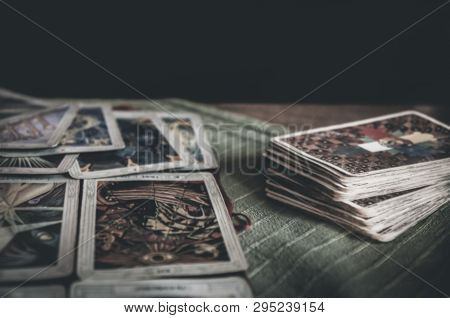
260,51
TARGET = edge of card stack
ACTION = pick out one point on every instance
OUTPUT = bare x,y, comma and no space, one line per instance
378,204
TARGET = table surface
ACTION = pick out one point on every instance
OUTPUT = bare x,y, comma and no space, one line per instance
317,115
293,254
287,264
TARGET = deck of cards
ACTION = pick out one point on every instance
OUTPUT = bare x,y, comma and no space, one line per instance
377,177
116,203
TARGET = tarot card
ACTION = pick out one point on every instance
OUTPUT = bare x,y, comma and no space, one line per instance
147,149
366,208
358,188
386,234
156,225
188,132
12,104
56,164
44,291
378,145
94,129
40,129
38,221
397,208
227,287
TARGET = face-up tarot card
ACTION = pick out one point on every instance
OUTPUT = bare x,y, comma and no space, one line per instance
374,145
56,164
146,149
38,221
94,129
189,133
155,225
44,291
40,129
226,287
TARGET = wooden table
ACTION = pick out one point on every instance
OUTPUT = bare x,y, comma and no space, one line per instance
317,115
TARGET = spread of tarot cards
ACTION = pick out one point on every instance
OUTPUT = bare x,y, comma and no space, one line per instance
97,202
91,140
103,203
377,177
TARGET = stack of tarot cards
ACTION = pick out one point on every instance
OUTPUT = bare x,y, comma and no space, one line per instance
116,203
377,177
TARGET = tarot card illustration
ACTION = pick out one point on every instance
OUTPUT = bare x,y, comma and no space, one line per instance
372,145
189,134
41,129
37,227
88,128
94,128
55,164
146,149
156,225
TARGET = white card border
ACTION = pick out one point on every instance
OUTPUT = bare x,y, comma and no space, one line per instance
215,287
86,257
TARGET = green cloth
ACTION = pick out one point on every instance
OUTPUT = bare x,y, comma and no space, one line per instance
293,254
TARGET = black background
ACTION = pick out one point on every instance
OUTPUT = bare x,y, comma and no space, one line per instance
267,51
